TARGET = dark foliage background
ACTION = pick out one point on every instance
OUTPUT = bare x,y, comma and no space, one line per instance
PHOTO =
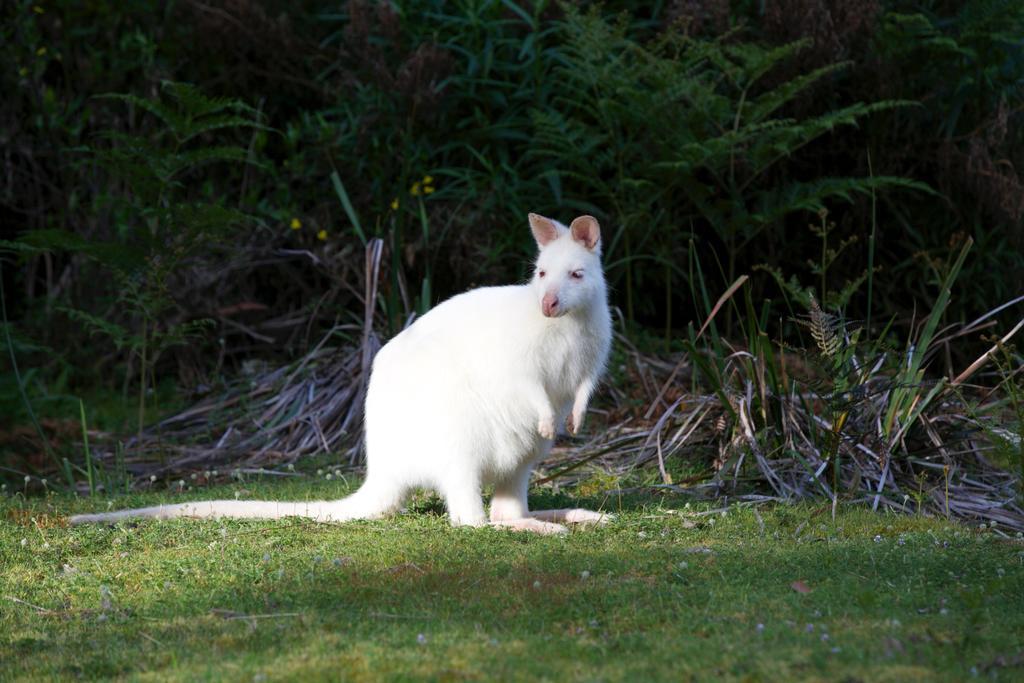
705,135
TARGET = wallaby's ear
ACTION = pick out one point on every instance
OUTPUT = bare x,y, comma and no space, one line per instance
586,231
544,229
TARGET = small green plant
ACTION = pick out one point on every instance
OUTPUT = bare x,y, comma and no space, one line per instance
826,296
835,351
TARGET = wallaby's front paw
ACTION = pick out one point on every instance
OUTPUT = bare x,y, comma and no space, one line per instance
574,423
546,428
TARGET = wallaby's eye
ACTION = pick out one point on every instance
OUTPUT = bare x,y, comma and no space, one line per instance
541,273
576,274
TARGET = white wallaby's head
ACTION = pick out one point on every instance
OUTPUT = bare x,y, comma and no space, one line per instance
568,276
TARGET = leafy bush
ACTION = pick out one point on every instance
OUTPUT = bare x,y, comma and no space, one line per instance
964,63
690,129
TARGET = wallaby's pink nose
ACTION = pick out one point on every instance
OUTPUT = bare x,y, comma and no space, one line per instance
549,304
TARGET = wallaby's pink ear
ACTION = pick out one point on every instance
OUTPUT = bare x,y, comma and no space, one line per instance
544,230
586,231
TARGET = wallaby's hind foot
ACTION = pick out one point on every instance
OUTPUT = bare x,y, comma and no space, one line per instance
573,516
530,524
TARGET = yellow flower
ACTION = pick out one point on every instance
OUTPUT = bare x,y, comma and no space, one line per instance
394,204
41,51
428,189
322,235
296,224
428,179
38,10
415,189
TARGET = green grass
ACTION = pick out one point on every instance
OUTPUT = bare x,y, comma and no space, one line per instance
659,594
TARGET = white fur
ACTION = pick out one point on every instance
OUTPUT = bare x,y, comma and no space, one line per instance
470,395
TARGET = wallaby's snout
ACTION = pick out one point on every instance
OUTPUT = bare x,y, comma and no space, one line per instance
549,304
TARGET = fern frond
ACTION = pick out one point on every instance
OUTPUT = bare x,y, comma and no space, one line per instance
768,103
172,119
825,330
754,61
212,123
191,159
18,247
803,295
198,105
118,334
811,196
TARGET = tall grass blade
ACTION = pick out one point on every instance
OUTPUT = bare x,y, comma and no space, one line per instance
721,302
85,447
871,245
908,388
339,188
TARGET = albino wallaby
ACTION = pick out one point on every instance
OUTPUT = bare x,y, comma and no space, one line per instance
470,395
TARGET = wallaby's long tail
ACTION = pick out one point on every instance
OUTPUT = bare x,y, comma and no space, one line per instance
367,502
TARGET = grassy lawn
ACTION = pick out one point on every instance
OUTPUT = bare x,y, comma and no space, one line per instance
662,593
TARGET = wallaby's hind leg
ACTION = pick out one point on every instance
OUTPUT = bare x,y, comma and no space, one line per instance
509,507
509,501
463,498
